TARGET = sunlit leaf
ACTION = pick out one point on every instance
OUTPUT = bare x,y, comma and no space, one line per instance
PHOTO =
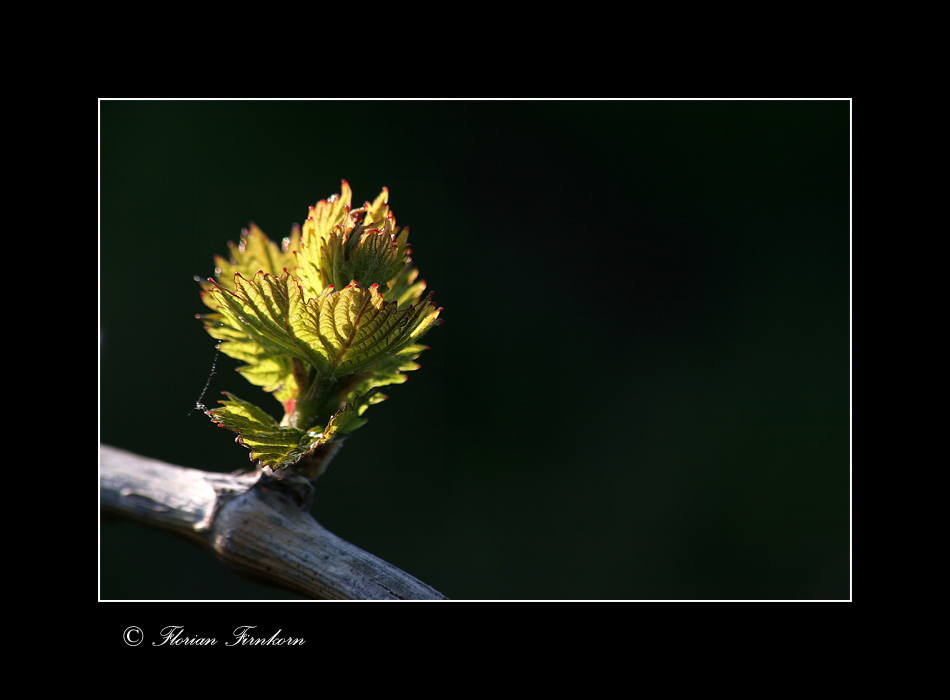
322,322
254,253
327,216
274,445
273,374
259,309
390,371
356,328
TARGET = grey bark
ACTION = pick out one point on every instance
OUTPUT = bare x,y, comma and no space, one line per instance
258,525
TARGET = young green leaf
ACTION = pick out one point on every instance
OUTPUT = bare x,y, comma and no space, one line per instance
275,446
322,322
259,310
355,328
257,253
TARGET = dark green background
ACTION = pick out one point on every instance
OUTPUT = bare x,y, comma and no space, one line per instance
641,388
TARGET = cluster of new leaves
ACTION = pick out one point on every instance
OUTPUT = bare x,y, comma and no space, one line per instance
322,321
